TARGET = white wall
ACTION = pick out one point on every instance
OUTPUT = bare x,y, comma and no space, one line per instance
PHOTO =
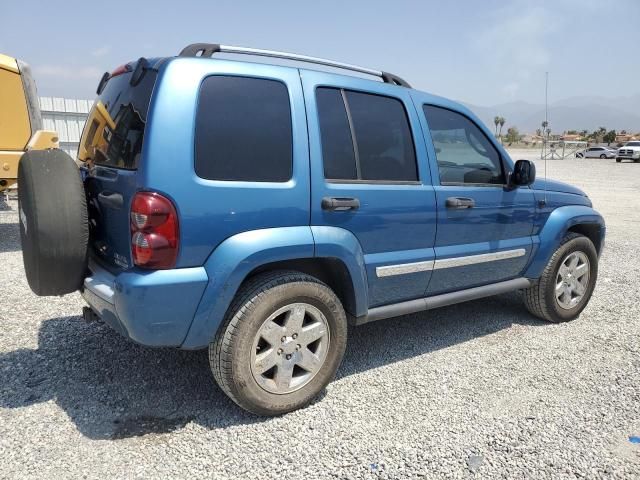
66,116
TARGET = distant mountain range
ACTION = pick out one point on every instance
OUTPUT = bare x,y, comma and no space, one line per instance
574,113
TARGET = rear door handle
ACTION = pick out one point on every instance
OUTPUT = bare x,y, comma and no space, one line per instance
340,203
460,202
111,199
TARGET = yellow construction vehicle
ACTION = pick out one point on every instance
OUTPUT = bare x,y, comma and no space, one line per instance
20,119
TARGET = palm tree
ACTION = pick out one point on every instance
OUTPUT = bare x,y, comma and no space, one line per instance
545,131
501,122
496,121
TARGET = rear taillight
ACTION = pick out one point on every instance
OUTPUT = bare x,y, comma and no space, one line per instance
154,231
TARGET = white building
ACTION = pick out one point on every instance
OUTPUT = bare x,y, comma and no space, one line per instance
66,116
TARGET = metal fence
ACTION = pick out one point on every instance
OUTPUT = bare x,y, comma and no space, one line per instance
66,116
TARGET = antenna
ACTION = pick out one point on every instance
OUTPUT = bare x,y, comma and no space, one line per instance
546,121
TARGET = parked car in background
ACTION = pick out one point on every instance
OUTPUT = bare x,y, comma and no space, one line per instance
630,151
597,152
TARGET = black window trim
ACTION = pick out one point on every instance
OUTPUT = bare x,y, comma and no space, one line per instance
360,181
293,142
373,182
505,171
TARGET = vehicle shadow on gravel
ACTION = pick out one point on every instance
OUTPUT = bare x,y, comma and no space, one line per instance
113,389
4,206
9,237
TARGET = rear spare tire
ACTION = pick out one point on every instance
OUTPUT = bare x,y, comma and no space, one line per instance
53,222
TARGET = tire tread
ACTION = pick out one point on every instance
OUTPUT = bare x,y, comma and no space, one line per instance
533,296
250,293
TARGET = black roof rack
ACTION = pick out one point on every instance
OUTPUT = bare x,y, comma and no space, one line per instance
208,49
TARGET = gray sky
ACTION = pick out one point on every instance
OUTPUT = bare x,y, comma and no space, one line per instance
483,52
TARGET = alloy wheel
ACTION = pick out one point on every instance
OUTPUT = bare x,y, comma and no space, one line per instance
572,280
290,348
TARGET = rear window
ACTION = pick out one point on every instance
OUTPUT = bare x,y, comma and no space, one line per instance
365,137
117,141
243,130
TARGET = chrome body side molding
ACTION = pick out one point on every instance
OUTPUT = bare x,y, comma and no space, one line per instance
404,268
401,269
475,259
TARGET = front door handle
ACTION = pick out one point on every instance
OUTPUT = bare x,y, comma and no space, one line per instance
460,202
340,203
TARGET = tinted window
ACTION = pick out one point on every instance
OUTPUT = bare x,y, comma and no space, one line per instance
126,106
337,146
243,130
381,147
464,153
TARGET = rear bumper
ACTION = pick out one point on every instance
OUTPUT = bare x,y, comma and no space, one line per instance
153,308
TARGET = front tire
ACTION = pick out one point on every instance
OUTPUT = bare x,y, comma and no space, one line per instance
281,344
568,280
603,156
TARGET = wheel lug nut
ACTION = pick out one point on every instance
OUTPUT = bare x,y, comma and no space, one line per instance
283,339
294,336
288,356
298,347
280,351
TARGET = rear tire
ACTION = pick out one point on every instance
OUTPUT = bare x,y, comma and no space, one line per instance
618,160
264,356
552,298
54,231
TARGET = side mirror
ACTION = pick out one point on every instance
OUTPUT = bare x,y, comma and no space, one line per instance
524,173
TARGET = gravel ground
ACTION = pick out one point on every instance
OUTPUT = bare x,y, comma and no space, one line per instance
481,389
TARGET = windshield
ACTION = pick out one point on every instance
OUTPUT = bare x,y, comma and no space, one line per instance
114,131
632,144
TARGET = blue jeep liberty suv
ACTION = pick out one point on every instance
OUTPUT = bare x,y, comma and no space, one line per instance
255,207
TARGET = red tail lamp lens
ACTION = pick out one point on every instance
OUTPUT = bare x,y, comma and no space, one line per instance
154,231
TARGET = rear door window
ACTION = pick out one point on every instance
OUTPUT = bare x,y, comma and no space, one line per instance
365,137
243,130
337,145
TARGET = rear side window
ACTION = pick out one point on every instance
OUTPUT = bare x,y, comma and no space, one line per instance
365,137
464,153
243,130
337,145
126,107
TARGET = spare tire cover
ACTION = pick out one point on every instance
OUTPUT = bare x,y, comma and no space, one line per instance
53,222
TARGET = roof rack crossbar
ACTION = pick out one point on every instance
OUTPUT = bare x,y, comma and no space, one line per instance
208,49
